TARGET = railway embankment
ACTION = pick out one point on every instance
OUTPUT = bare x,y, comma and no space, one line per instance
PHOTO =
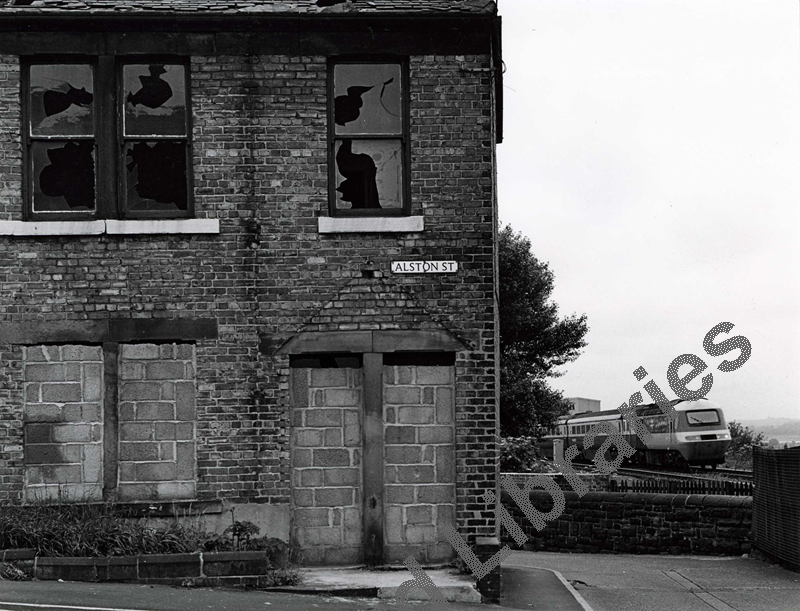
639,523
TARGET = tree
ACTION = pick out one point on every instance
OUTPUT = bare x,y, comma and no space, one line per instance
534,341
740,452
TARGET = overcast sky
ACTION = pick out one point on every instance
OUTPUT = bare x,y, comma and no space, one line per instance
652,156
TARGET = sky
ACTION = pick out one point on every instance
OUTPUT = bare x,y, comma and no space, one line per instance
652,156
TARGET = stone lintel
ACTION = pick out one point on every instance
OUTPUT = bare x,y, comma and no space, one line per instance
114,330
320,342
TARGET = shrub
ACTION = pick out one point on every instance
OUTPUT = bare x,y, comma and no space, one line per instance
111,530
11,572
517,454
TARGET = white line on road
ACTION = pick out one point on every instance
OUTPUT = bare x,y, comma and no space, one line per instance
40,606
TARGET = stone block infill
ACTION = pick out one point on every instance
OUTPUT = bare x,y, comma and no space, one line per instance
157,421
326,464
63,423
419,455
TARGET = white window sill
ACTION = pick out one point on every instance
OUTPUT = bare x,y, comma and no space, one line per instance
373,224
110,227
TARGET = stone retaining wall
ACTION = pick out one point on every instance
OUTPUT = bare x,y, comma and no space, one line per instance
203,569
637,523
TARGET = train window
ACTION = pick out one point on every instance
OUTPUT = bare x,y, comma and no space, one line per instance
657,424
703,416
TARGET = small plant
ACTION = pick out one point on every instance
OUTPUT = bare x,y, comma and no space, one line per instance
11,572
461,566
240,533
276,578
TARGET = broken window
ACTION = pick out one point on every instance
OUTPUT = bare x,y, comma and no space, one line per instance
60,138
136,127
155,136
369,144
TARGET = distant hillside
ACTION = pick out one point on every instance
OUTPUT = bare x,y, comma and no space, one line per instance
774,426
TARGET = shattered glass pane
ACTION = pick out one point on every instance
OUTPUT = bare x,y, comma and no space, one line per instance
156,176
367,99
155,100
61,100
369,174
63,175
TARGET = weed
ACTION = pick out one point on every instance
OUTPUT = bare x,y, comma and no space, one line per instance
11,572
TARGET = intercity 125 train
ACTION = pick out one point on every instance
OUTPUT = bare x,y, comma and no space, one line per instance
698,436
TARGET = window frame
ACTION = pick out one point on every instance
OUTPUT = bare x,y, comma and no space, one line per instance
108,108
404,137
26,63
121,139
694,411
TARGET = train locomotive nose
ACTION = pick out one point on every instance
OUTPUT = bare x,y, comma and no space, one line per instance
701,452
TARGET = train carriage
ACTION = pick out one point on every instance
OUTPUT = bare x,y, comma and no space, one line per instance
698,434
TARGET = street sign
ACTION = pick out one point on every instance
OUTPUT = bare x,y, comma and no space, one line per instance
424,267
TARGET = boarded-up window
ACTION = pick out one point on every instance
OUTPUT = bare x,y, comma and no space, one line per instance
63,412
157,419
69,450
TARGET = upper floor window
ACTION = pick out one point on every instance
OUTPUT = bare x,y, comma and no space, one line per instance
106,139
368,119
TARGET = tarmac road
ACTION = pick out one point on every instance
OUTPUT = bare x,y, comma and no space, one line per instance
80,596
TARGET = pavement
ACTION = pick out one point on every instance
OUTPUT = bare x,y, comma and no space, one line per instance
531,580
609,582
383,584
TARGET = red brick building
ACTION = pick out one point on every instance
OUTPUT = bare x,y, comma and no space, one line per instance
247,261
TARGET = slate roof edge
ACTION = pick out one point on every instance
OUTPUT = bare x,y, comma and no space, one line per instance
70,14
213,22
469,8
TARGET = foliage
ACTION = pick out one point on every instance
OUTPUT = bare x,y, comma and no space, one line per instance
110,530
461,567
534,341
517,454
9,571
740,452
241,533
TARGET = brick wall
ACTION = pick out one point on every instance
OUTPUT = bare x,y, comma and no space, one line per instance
326,461
10,137
63,423
420,461
157,419
639,523
260,167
